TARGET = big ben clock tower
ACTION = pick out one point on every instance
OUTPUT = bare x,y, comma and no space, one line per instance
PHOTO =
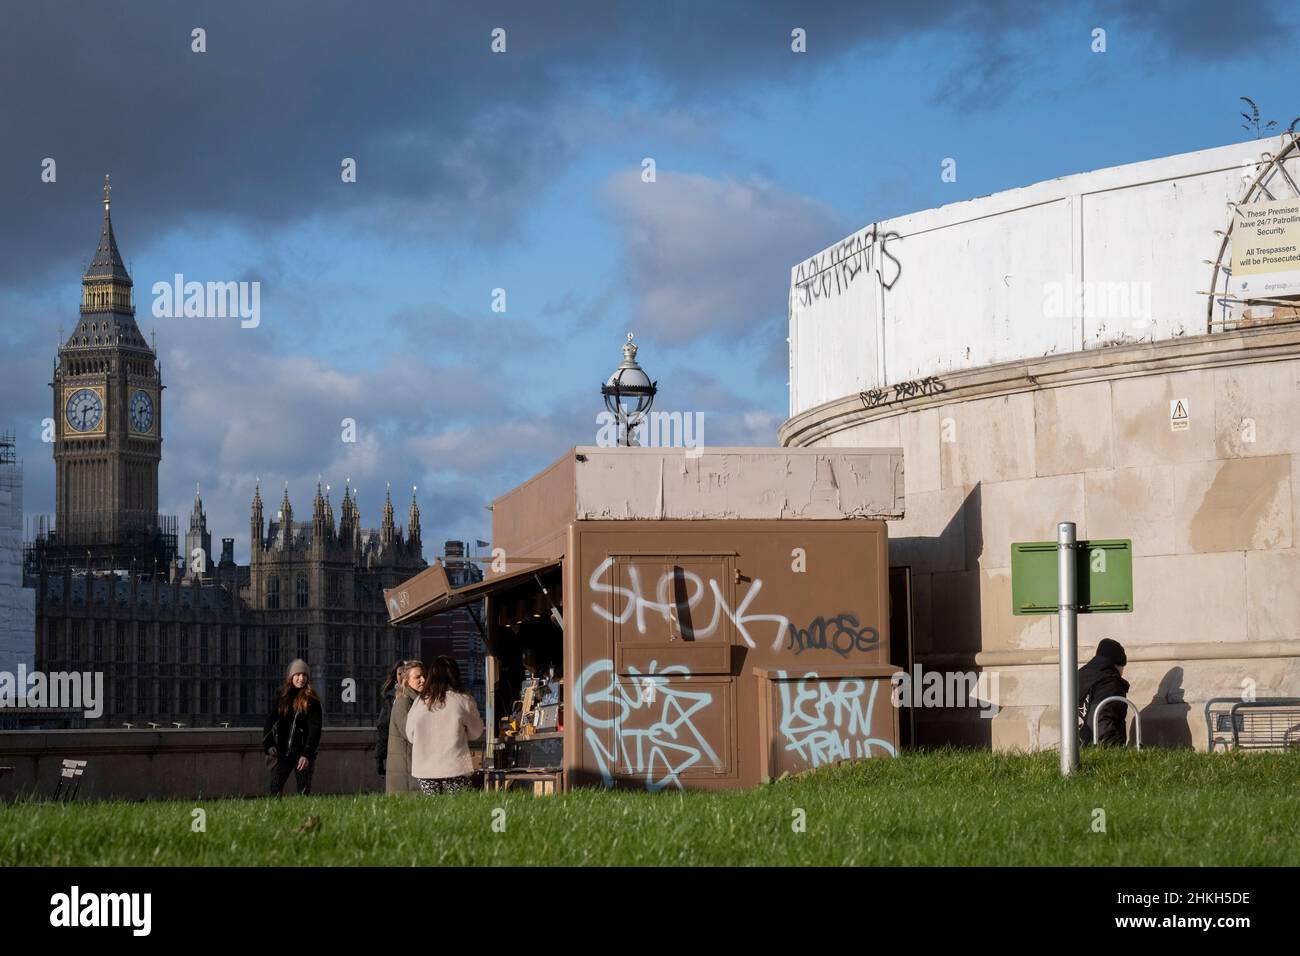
108,425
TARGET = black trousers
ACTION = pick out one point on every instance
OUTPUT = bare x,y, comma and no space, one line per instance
287,765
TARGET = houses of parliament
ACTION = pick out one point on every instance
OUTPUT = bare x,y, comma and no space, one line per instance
199,640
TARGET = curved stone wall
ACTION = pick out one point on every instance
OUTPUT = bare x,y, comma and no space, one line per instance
1002,453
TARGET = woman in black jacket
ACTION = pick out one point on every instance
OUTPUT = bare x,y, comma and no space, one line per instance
292,732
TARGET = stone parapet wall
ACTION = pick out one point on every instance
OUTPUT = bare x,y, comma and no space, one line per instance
176,764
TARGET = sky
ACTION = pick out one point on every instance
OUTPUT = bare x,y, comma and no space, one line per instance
524,171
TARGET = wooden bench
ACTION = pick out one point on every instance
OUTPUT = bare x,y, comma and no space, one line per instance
1266,723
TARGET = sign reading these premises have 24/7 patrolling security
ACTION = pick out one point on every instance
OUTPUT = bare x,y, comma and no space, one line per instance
1266,249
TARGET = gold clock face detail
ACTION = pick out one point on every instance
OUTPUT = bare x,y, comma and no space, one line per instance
83,410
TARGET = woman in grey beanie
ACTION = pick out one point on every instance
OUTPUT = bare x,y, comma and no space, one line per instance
291,735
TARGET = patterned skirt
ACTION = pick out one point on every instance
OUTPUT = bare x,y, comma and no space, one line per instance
432,787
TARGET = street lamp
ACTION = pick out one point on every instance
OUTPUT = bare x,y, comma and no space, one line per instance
629,393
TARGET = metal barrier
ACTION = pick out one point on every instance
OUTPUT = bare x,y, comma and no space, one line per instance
1137,718
1266,723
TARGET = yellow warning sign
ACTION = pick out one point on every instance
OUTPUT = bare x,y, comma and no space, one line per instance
1178,418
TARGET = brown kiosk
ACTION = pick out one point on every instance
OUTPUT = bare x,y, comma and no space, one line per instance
704,619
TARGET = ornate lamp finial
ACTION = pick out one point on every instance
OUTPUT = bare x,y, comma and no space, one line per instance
629,382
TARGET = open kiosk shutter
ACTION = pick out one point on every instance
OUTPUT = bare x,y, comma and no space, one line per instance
422,596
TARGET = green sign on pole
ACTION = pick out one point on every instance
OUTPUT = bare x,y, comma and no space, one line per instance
1103,569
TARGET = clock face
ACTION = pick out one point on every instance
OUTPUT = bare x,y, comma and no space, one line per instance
141,411
85,410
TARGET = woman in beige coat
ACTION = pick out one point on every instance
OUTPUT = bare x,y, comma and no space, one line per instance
440,726
397,778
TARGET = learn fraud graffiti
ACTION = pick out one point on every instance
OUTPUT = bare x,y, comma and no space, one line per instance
824,721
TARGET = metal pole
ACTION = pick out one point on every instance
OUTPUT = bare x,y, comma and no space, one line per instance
1067,596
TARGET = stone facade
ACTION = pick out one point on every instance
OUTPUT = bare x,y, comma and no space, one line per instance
207,650
1005,452
316,592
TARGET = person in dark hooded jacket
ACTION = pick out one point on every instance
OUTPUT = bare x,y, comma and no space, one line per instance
1103,677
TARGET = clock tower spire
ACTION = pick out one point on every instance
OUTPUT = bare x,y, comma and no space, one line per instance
107,413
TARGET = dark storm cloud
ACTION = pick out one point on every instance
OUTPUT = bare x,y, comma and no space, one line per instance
1206,29
449,138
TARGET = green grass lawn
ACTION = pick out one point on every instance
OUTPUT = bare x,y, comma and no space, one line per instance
944,807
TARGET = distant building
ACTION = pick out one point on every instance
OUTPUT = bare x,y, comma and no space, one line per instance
195,643
203,650
317,593
198,542
17,620
107,396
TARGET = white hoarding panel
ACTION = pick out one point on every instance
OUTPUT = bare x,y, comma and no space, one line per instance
1115,255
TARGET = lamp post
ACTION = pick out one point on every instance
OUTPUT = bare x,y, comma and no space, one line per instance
629,393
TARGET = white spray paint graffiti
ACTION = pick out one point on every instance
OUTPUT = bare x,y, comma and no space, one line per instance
659,752
637,605
824,721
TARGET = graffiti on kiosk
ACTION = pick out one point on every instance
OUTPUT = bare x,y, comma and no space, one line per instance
659,752
637,604
399,604
840,634
877,397
824,721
